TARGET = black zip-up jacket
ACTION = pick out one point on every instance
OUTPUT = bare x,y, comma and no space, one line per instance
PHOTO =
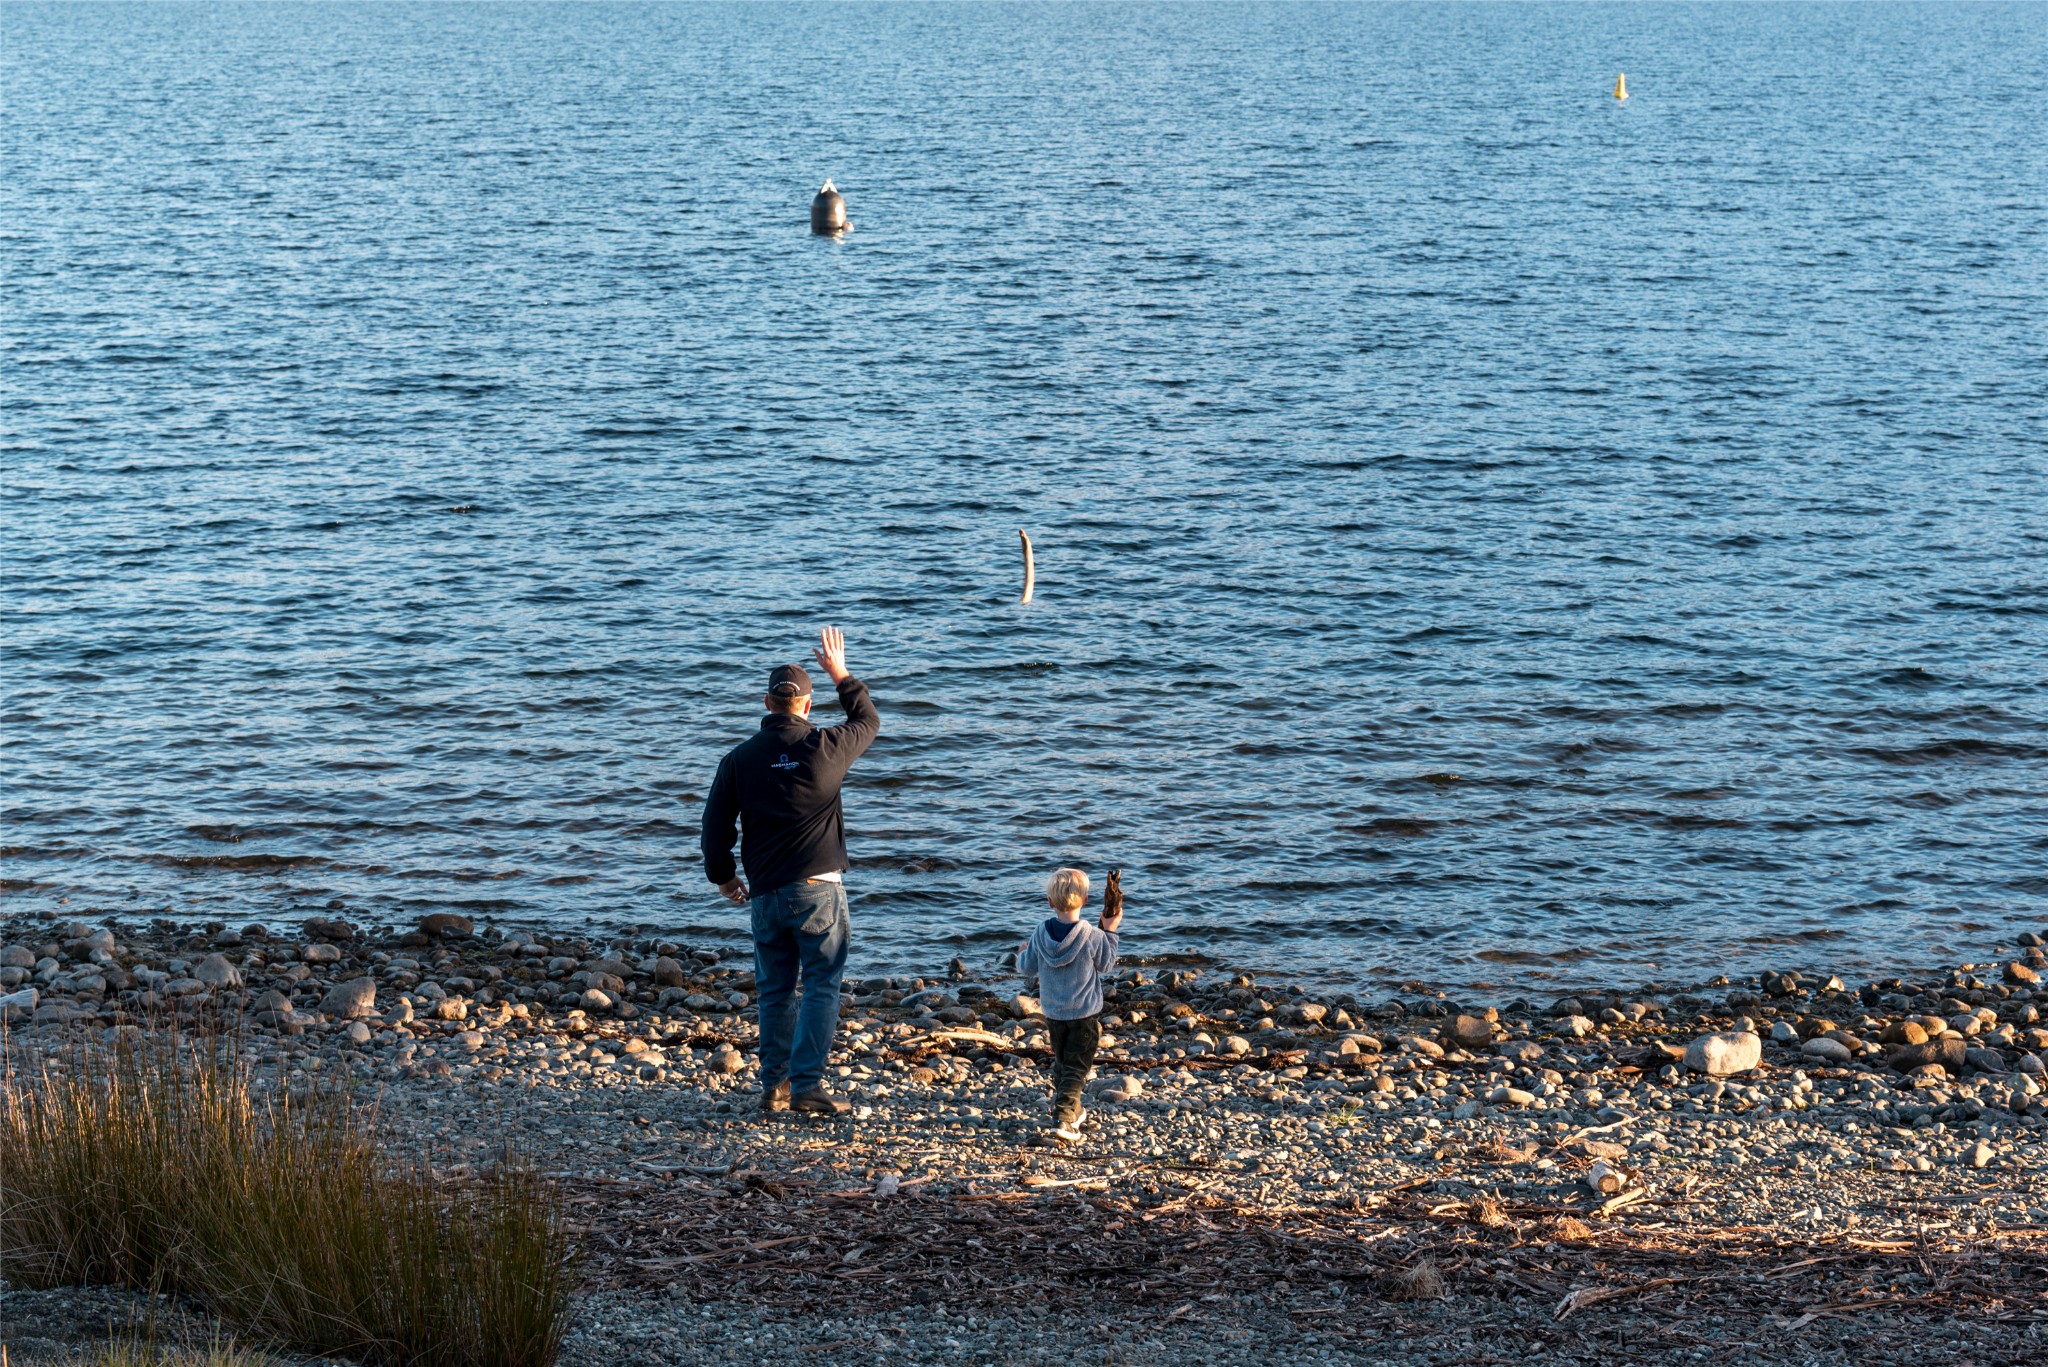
781,787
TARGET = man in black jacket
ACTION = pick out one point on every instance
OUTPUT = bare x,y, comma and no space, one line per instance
781,788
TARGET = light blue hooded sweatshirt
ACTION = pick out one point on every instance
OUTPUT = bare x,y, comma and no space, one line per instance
1069,970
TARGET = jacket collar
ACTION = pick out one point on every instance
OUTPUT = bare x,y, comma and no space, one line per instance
787,725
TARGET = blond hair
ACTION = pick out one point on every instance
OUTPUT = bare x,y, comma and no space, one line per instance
1067,889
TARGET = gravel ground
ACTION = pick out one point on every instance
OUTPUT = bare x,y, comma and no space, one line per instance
617,1330
1787,1164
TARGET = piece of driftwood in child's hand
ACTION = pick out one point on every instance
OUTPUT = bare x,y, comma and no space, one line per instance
1113,896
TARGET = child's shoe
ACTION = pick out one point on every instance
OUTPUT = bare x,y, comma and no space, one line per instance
1067,1128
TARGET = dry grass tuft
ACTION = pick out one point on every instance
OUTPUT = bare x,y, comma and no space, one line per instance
160,1164
1421,1282
145,1352
1568,1227
1486,1210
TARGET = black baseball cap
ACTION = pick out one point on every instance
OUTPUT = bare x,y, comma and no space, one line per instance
789,681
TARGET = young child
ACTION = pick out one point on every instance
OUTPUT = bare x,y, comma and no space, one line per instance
1070,959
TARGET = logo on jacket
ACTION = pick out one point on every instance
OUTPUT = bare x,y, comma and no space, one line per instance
785,763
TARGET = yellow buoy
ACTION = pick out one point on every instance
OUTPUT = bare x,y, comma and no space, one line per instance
1621,86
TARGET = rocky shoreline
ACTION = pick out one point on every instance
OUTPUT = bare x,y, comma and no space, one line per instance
1812,1114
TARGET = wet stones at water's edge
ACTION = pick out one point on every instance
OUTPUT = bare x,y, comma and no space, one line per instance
1971,1041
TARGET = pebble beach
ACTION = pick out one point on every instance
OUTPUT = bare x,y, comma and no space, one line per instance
1798,1157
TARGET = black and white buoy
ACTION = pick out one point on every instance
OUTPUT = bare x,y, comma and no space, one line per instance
828,212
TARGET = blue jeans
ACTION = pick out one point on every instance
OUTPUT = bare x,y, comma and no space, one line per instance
799,931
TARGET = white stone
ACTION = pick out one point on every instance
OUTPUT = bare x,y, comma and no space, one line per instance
1722,1055
19,1003
320,954
215,971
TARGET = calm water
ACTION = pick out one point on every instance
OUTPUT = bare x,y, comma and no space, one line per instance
1488,532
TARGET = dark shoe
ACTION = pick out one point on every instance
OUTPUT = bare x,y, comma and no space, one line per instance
818,1101
776,1098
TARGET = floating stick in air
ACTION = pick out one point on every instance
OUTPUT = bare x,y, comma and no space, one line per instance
1030,573
1621,86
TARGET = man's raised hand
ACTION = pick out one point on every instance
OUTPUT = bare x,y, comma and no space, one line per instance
831,653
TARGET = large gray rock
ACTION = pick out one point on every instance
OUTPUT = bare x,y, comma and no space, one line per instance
667,972
19,1005
17,956
215,971
351,1000
447,925
1469,1032
1946,1052
320,954
1725,1054
326,928
1825,1049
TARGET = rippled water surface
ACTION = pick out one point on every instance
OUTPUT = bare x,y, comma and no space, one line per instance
1488,532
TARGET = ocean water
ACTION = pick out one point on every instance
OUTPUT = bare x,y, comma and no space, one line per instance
1488,533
